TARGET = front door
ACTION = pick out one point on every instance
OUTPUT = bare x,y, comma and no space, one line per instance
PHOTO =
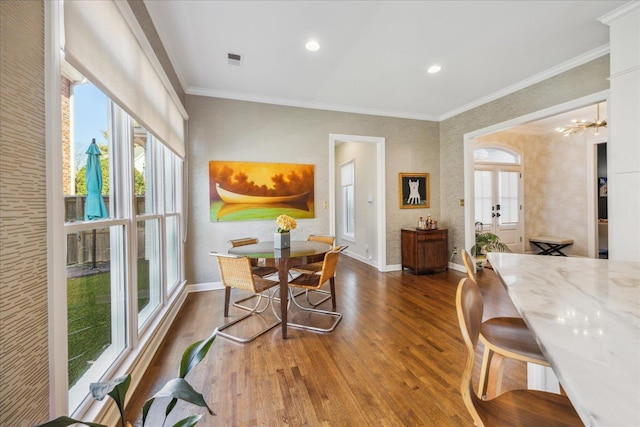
498,202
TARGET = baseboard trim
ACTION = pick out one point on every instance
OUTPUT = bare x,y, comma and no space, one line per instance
457,267
208,286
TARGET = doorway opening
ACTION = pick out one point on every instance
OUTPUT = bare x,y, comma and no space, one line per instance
556,206
498,193
367,237
602,231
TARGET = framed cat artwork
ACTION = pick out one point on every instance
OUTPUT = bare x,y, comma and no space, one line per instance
413,190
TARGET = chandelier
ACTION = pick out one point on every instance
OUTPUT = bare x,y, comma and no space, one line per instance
581,126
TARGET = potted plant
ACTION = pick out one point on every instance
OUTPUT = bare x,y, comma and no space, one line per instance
177,388
486,242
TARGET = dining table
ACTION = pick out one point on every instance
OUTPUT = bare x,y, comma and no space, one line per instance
299,252
585,316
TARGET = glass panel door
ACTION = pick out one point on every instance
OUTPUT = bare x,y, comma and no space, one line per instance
497,202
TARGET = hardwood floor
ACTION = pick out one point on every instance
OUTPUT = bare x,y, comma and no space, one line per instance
396,359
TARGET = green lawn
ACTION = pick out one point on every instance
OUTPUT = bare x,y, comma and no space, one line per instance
89,316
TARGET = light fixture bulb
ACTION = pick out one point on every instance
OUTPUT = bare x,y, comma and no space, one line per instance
434,69
580,126
312,45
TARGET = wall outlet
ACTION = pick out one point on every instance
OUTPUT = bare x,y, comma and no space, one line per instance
455,250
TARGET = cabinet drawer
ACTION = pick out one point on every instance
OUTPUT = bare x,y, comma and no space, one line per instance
433,235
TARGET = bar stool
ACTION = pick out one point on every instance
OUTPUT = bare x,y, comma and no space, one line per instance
514,408
502,337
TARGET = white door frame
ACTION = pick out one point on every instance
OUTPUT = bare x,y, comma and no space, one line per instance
469,205
334,139
496,168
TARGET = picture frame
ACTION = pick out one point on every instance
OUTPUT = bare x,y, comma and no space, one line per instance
254,191
413,190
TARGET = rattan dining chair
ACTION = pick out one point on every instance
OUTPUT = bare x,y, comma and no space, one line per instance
502,337
314,281
315,268
260,268
514,408
235,272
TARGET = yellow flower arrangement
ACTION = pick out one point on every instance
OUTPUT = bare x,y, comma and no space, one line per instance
285,223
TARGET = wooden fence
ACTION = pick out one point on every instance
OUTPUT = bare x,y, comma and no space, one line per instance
93,246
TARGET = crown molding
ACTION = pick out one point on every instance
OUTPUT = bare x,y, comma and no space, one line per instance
607,18
554,71
238,96
551,72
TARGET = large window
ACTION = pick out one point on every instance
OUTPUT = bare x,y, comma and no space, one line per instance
117,229
95,259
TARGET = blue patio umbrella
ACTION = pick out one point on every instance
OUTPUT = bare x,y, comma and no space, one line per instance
94,207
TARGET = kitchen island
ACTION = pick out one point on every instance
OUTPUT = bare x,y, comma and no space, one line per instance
585,315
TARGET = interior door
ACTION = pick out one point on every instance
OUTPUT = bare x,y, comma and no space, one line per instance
498,204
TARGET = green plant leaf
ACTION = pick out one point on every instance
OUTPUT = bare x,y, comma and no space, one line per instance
170,407
67,421
195,353
116,389
189,421
488,242
119,386
145,409
177,388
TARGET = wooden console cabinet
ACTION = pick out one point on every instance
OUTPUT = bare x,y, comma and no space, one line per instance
425,250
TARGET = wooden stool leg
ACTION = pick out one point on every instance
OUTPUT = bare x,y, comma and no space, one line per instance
495,375
484,371
490,383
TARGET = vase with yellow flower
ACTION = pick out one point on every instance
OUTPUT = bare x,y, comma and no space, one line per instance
282,238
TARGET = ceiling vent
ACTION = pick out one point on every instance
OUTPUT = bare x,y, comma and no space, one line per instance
234,59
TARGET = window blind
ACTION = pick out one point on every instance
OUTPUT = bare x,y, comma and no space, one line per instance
100,43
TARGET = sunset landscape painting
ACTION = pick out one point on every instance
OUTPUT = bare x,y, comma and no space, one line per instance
244,191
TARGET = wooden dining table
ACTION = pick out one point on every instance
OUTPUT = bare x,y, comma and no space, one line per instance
585,315
300,252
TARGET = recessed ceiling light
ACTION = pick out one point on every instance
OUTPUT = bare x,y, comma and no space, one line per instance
434,69
312,45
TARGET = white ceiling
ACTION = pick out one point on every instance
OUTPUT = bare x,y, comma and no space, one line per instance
374,54
549,124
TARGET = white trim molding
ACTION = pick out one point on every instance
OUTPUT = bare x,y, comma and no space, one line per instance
607,18
553,71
